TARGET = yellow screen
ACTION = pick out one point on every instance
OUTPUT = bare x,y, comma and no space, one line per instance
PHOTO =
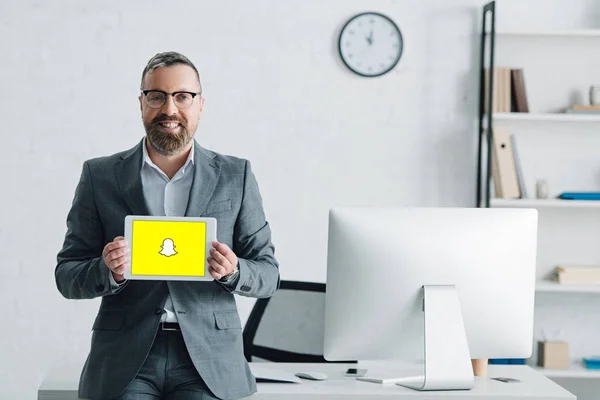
175,248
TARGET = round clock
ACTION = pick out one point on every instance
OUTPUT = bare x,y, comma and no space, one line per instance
370,44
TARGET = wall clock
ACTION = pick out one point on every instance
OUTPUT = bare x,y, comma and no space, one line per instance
370,44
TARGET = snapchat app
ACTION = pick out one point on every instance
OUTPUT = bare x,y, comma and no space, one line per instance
175,248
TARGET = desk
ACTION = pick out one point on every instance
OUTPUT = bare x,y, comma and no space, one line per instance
61,383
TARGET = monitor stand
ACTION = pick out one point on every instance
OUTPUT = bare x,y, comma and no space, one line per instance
447,358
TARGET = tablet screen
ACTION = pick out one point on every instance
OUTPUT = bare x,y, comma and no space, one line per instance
170,248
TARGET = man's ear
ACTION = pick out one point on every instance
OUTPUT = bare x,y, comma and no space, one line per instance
201,106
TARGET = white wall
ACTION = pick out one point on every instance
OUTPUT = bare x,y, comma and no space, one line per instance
276,93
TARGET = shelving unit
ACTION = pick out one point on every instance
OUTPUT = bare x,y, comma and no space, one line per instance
538,117
563,149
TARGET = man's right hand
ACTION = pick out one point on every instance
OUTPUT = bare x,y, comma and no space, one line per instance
116,257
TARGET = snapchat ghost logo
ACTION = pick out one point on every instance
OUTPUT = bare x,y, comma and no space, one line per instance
168,248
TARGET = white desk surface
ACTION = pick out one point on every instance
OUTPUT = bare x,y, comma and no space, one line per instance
61,383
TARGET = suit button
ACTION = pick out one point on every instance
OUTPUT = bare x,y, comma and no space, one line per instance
100,288
158,311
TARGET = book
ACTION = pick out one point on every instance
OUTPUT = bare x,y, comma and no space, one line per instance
504,172
579,196
519,94
518,167
577,274
584,109
507,361
507,88
501,96
590,112
593,107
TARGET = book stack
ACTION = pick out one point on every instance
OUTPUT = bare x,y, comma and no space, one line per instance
509,93
577,275
582,109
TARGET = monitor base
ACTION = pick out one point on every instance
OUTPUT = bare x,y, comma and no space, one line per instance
447,358
410,380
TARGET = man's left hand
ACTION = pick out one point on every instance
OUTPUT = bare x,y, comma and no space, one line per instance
222,260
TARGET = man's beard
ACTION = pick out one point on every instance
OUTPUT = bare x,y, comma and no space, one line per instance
165,143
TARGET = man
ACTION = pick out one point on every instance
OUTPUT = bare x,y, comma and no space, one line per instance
179,339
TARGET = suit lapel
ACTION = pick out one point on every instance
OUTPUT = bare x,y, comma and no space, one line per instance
129,180
206,176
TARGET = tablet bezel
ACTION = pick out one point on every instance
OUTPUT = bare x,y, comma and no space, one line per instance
211,235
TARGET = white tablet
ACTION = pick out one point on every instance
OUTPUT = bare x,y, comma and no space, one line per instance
169,248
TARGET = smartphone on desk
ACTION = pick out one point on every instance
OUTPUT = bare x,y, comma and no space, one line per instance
356,372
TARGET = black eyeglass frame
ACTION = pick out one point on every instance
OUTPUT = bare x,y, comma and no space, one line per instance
173,94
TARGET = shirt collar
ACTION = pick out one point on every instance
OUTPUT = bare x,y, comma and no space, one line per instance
147,160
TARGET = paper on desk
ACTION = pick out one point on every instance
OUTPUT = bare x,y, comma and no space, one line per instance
273,375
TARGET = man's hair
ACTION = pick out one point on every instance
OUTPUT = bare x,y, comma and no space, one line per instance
168,59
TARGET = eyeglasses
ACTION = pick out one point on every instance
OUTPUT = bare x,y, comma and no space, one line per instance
157,98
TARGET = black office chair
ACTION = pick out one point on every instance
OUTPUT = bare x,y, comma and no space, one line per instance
289,326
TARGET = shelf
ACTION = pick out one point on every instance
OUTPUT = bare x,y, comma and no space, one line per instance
544,203
563,288
539,117
563,33
576,370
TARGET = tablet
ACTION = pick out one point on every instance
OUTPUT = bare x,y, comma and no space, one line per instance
169,248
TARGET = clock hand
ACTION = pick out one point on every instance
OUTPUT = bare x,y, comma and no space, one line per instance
370,38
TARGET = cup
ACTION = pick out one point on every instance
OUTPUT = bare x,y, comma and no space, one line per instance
595,95
541,189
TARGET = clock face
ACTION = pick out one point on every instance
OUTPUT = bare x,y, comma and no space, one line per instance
370,44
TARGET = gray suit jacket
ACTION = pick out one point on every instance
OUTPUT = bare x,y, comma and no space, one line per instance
110,188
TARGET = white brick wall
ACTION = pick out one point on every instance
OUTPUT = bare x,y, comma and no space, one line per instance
276,93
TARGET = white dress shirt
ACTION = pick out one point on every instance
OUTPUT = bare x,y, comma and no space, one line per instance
167,197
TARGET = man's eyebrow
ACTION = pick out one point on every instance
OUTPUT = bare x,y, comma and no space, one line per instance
176,91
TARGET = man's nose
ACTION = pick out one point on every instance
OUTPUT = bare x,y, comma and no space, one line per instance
169,107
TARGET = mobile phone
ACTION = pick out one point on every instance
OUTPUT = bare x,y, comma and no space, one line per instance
356,372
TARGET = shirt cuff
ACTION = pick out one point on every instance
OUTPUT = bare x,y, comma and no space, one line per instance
113,283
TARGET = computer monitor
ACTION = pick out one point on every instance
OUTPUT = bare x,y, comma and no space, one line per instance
436,286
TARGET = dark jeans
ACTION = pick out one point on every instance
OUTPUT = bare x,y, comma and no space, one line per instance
168,373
